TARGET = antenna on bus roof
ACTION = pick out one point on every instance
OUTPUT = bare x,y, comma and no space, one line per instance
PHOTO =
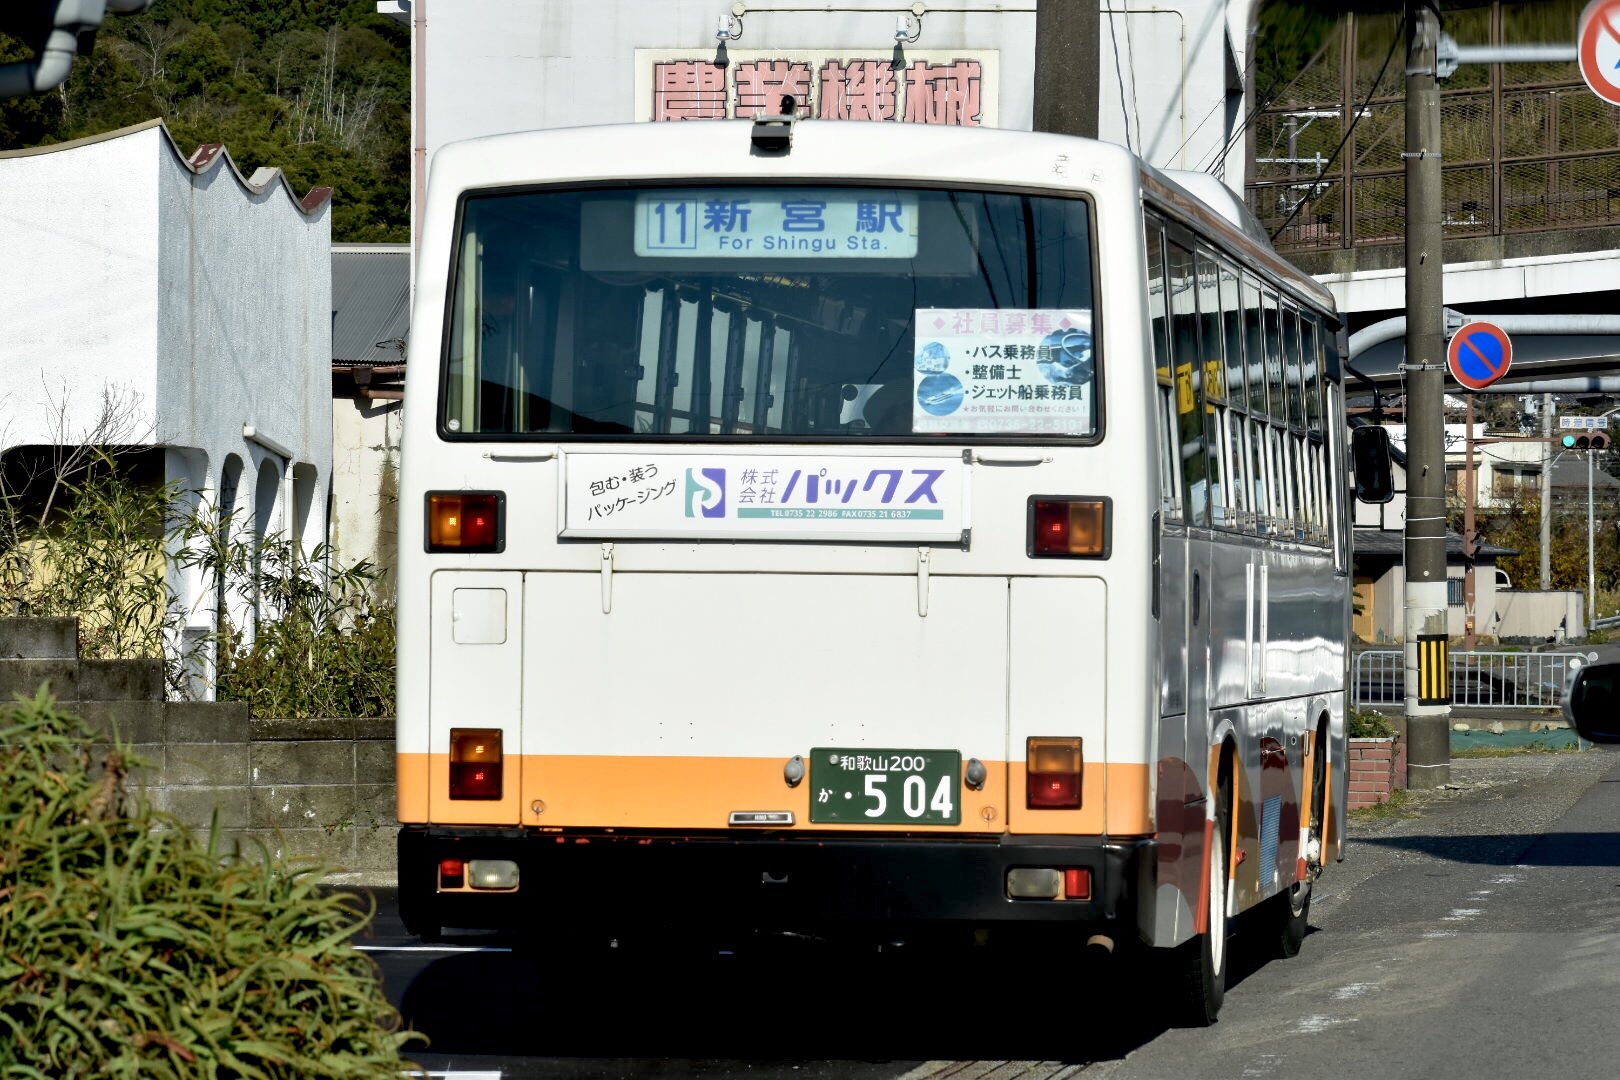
774,134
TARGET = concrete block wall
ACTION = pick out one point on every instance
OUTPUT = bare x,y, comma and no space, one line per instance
1377,768
321,789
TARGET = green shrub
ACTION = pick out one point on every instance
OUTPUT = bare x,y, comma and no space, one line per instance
129,950
1367,724
95,547
324,642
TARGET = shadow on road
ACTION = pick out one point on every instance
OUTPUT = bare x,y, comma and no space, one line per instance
809,1003
1512,849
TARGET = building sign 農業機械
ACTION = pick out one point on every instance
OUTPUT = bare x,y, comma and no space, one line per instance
932,86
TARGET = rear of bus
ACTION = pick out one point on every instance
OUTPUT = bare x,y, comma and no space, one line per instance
775,534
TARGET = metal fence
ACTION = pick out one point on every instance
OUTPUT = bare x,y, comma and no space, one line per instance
1479,680
1528,148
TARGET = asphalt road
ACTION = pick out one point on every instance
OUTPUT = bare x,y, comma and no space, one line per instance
1480,937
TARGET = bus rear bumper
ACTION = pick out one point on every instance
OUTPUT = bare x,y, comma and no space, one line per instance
630,882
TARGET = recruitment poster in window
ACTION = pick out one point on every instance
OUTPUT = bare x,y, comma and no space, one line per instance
1007,371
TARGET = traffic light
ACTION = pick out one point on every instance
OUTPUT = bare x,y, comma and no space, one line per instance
1590,440
56,31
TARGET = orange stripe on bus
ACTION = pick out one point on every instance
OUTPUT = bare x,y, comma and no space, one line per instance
648,792
1302,869
1113,800
612,791
412,771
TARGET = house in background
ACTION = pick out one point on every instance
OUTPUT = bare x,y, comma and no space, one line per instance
168,304
371,302
1501,608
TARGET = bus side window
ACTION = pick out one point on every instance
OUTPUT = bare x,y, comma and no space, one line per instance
1237,482
1264,513
1213,382
1187,364
1237,400
1311,350
1292,372
1276,380
1158,319
1254,363
1282,517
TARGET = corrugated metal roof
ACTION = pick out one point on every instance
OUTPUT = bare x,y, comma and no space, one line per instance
371,303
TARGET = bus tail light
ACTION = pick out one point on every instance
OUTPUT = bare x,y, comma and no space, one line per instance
452,873
1077,883
475,763
466,521
1074,528
1052,774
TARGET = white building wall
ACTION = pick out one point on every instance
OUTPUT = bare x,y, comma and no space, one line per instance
1171,82
492,66
201,300
79,289
512,65
365,478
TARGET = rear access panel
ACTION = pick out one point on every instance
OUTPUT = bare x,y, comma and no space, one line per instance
475,680
685,703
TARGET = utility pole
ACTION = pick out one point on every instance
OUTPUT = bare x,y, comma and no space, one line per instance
1591,565
1470,549
1428,708
1068,66
1546,492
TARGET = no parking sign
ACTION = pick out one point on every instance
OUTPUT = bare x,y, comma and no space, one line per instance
1598,48
1479,354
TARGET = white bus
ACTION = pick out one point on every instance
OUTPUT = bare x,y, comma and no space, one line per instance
862,527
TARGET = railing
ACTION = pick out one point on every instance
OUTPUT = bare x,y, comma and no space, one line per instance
1479,680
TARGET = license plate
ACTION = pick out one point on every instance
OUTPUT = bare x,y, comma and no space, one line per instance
885,787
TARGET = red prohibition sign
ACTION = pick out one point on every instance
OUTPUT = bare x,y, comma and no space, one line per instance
1479,354
1598,49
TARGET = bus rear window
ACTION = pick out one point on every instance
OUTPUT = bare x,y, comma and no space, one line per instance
772,313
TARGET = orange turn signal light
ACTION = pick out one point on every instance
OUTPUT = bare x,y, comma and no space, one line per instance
468,521
1069,527
475,763
1052,773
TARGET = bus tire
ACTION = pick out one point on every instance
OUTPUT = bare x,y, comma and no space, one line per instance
1293,909
1202,962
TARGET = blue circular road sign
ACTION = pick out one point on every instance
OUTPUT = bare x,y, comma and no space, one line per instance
1479,354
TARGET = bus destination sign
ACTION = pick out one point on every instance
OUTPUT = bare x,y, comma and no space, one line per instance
763,223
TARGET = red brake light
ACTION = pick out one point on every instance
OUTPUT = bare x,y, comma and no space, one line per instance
465,521
1077,883
1052,774
1072,527
452,873
475,763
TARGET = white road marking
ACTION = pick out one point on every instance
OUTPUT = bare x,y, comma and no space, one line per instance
1264,1065
1311,1025
1463,914
433,948
1354,990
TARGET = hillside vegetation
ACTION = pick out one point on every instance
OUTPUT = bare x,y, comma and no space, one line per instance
319,88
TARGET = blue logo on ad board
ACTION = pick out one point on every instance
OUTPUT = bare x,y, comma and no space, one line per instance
710,498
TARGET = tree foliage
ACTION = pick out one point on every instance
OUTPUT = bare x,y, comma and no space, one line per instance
318,88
